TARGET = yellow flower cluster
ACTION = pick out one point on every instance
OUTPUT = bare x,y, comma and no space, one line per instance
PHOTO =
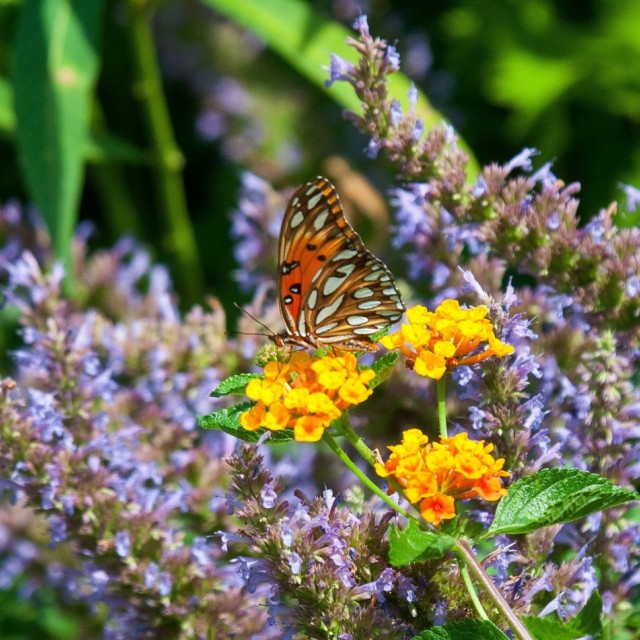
435,474
305,393
436,342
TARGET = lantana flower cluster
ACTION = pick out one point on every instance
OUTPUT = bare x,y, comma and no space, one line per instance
435,474
306,393
436,342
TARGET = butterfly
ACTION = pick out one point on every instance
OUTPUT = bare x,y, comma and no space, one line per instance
332,291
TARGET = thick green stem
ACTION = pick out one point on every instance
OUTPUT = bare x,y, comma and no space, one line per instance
344,458
441,386
468,558
179,238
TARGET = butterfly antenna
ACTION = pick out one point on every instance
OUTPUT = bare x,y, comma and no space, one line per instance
262,324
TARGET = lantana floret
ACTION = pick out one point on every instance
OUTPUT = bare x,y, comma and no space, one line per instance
436,342
306,393
434,475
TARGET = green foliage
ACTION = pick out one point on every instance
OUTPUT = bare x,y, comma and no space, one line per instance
587,623
383,367
56,63
465,630
416,545
303,37
227,420
561,77
7,114
554,496
234,384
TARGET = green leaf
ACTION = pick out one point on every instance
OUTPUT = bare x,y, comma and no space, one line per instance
234,384
554,496
56,63
589,620
305,39
545,628
103,147
107,147
464,630
227,420
7,115
587,623
383,368
415,545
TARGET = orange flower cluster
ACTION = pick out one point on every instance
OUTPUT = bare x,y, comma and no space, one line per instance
305,393
436,342
435,474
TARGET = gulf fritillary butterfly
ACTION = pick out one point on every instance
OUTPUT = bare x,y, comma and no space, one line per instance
332,291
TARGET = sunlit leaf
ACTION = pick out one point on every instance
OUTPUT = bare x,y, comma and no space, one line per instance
227,420
305,39
554,496
56,62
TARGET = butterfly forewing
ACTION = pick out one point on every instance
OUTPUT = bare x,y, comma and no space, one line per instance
331,289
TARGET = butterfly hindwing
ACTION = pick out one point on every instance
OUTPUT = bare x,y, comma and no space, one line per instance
331,289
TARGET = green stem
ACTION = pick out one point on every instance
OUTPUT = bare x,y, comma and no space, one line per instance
465,555
344,428
473,594
344,458
179,237
441,386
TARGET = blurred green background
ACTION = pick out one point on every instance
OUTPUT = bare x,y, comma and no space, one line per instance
563,77
140,116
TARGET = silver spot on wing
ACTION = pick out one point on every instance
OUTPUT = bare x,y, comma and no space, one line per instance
326,327
320,219
392,315
363,292
345,254
334,282
369,304
365,331
374,275
326,312
297,219
312,202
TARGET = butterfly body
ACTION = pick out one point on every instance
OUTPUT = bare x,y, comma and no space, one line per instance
332,291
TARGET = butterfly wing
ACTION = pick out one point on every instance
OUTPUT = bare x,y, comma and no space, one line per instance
331,289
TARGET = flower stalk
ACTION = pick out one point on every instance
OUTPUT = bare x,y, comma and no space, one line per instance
466,556
346,460
467,561
179,238
441,388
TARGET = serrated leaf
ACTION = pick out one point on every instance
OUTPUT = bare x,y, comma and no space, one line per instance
415,545
545,628
234,384
383,368
56,64
555,496
378,335
589,619
588,622
464,630
227,420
